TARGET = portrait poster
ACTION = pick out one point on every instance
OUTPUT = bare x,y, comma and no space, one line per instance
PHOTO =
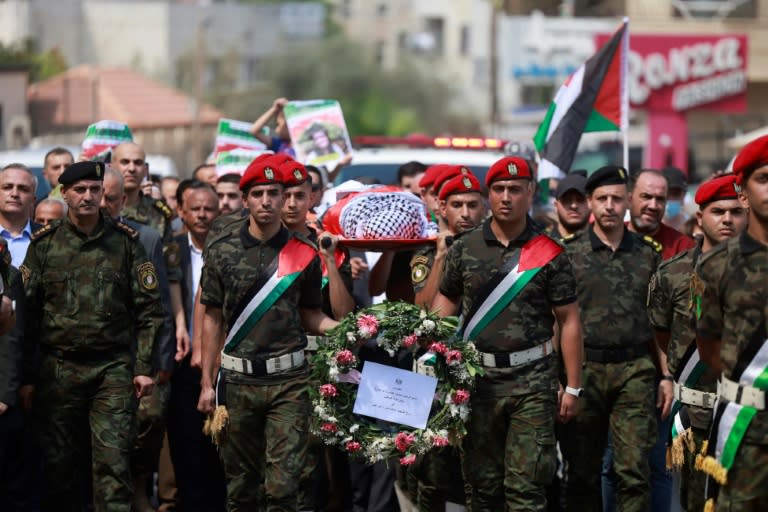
318,132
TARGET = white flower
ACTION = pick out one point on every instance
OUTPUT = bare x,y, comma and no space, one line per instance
422,314
354,428
333,373
391,352
351,337
428,325
417,332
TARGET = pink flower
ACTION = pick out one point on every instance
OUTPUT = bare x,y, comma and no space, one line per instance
460,396
453,356
368,326
329,427
410,340
345,357
328,391
408,460
403,441
438,348
440,441
353,446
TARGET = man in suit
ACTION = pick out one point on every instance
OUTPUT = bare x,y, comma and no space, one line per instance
199,477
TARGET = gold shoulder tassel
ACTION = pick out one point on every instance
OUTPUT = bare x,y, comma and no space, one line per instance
709,505
216,423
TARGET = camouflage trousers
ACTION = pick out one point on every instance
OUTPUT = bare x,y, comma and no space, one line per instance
150,429
86,407
509,452
692,481
747,488
619,396
439,478
266,442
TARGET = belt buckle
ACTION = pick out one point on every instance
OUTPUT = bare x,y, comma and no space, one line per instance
706,400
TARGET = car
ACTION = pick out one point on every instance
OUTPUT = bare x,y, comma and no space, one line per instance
382,163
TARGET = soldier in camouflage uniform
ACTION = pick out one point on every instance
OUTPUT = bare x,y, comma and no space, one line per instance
612,267
91,296
509,452
262,360
461,207
730,288
720,216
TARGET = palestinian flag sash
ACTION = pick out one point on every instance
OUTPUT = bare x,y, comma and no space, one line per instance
688,374
732,419
531,258
292,259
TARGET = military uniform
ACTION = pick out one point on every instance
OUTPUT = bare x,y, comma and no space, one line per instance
90,299
618,375
669,310
730,298
509,452
155,213
268,413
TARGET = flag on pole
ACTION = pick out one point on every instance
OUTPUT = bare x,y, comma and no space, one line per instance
592,99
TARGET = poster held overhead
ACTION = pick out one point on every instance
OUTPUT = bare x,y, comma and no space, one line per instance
318,132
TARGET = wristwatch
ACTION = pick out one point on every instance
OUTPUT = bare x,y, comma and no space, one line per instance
577,392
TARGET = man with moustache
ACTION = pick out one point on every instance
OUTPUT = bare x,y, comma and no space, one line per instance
92,296
258,307
509,451
721,216
729,299
612,267
230,197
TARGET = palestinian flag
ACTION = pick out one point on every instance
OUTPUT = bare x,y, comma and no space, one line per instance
593,99
235,161
102,136
233,134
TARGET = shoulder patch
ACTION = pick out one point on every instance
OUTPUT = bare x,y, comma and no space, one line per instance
167,212
147,276
43,231
419,259
656,246
126,229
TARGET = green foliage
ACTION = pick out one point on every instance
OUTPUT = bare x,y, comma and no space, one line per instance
41,65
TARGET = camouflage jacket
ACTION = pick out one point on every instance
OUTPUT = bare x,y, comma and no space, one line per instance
91,294
613,288
730,289
156,214
527,321
669,310
12,343
233,261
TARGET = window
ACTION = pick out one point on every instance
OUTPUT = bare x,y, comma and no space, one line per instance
464,41
714,9
435,26
537,94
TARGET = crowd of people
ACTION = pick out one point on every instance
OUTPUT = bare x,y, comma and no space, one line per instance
617,350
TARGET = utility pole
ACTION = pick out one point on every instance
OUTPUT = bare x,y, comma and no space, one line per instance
494,66
198,72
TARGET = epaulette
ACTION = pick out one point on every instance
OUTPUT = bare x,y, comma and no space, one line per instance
676,257
127,230
218,237
160,205
656,246
302,238
45,230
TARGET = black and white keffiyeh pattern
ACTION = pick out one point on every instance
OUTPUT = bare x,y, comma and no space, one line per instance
386,215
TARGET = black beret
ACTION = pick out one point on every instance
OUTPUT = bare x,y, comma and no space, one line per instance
608,175
82,171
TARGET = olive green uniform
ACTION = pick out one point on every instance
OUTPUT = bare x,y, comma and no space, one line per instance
268,414
730,297
618,376
90,300
509,452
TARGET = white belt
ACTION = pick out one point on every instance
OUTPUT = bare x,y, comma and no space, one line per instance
517,358
279,364
314,342
741,394
690,396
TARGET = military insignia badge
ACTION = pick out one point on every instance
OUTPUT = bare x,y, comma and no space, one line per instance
147,276
269,173
512,169
622,174
651,289
98,169
25,273
737,187
297,174
697,290
418,273
467,183
464,170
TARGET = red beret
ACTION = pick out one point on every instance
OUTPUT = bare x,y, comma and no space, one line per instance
294,173
722,187
459,185
433,171
451,171
508,168
262,171
752,156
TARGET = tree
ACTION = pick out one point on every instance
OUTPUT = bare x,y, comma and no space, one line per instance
41,65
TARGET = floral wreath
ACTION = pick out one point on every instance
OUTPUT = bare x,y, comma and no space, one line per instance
394,325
